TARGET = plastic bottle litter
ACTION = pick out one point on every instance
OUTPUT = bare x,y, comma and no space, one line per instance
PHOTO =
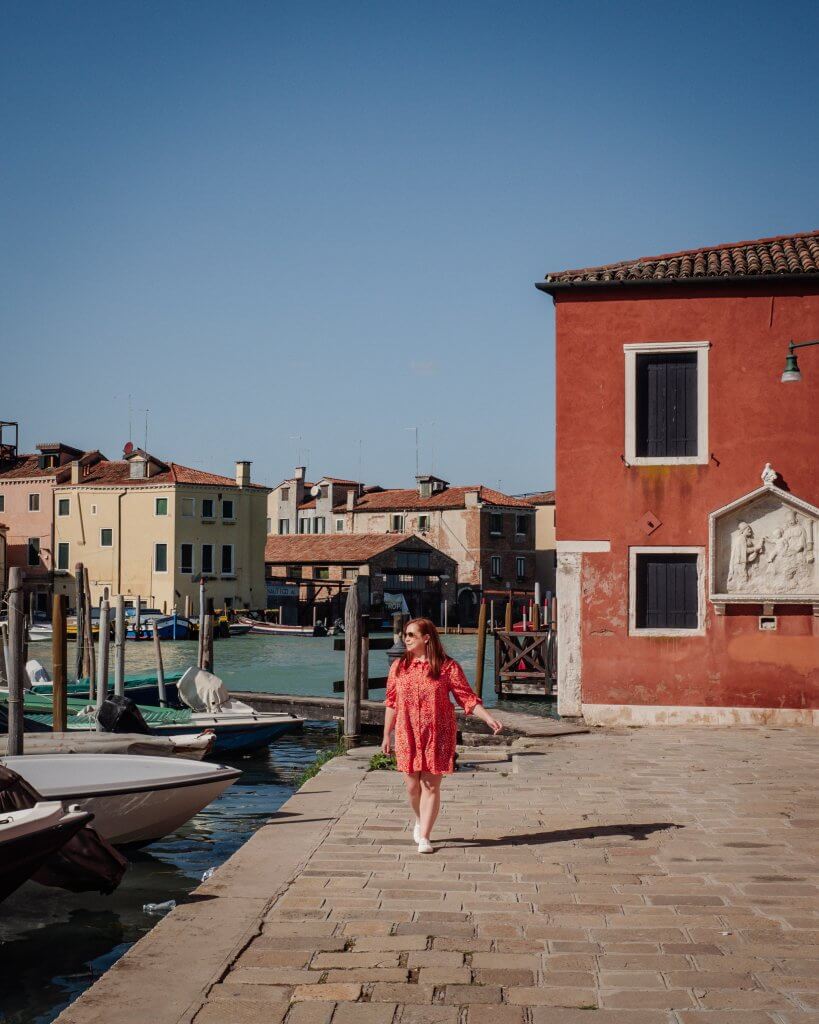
158,909
209,873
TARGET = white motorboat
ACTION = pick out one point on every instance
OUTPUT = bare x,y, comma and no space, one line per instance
30,836
134,799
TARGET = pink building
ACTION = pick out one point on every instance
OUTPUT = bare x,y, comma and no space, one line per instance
27,507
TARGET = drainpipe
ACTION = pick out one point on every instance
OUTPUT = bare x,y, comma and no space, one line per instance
120,496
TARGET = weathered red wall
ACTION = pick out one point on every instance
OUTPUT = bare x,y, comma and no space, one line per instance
753,419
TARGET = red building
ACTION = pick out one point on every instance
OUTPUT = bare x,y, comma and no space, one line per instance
688,530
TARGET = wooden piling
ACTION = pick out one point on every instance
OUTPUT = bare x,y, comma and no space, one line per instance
79,609
138,618
90,660
207,638
24,635
507,620
535,616
59,658
119,647
352,668
200,648
102,661
492,615
187,606
15,662
481,653
4,654
160,670
365,660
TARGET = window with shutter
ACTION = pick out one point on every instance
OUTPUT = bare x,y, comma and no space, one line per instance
666,591
666,403
666,413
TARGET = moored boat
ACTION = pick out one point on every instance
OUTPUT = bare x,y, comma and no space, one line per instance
278,629
135,800
31,836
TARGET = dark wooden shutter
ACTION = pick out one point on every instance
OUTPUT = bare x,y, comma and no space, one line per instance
667,591
666,413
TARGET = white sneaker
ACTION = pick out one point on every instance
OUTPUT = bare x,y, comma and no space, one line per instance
425,846
416,832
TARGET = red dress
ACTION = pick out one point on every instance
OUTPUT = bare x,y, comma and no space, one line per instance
425,720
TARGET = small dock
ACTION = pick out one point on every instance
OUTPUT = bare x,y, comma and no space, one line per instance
331,709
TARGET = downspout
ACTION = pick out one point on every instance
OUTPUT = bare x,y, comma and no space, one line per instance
120,496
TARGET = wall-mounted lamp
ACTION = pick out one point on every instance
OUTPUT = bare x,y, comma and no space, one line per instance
792,373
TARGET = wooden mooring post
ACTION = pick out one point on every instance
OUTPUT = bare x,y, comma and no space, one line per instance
59,659
207,637
119,647
102,661
365,660
481,653
15,661
160,669
89,662
79,612
352,668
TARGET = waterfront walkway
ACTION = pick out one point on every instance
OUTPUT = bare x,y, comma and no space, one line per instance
653,876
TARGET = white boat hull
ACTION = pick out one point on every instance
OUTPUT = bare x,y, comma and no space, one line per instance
134,799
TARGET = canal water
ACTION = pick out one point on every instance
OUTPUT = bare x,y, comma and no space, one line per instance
54,944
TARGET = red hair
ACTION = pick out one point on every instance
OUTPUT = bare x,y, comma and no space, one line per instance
435,649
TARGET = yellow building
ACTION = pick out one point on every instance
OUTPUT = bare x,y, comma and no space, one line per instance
149,528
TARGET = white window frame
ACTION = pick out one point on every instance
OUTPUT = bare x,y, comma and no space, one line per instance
62,515
212,517
31,496
232,517
192,568
112,536
157,544
520,560
67,546
210,572
493,560
157,513
495,533
232,573
397,516
339,525
190,503
284,533
633,552
631,351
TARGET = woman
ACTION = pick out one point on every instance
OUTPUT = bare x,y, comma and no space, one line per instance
419,708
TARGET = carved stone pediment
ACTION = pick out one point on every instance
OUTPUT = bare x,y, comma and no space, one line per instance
764,548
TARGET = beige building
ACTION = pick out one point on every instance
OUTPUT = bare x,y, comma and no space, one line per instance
545,540
150,528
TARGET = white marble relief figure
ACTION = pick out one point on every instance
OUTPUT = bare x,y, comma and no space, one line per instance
744,556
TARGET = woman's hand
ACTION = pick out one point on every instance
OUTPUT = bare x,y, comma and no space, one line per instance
480,711
385,744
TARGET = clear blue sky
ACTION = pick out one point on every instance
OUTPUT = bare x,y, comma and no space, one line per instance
266,220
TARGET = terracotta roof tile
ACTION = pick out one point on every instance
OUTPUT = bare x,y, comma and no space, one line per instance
405,499
764,257
332,548
22,466
541,498
117,472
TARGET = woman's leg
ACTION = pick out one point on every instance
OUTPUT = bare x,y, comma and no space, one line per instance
413,784
430,801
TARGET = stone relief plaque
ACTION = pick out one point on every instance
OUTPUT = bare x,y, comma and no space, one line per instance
764,548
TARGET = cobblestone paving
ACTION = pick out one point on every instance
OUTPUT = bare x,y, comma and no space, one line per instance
643,876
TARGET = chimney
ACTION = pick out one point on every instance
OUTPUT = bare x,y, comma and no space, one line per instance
242,474
300,471
472,499
350,500
75,471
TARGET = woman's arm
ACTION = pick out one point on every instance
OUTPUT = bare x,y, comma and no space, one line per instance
468,699
389,723
479,711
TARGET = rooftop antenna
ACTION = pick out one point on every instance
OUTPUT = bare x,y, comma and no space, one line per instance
145,446
417,454
130,425
360,461
298,437
432,445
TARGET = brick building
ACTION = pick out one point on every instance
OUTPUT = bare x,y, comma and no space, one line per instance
403,573
687,578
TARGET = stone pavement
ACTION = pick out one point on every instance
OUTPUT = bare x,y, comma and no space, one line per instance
641,876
